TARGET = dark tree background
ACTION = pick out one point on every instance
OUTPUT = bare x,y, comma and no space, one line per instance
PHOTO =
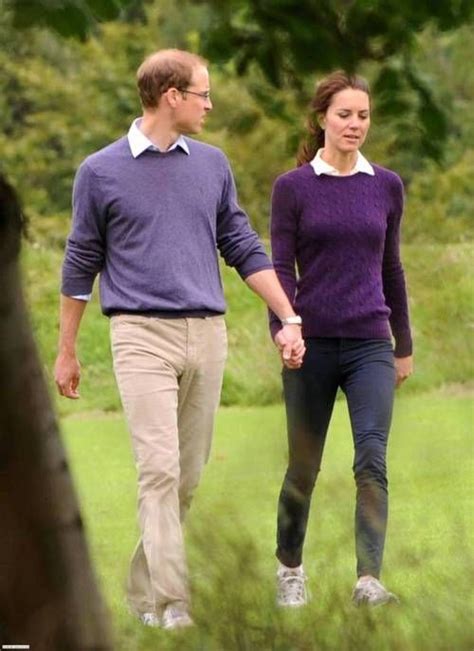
289,40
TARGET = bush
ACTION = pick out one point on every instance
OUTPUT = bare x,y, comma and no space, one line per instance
440,290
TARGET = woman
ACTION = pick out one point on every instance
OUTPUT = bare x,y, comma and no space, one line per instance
337,217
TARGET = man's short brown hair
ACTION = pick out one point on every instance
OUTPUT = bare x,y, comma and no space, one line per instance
163,70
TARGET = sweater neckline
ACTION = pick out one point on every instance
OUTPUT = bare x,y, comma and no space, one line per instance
334,177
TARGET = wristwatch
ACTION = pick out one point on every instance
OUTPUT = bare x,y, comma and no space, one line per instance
292,320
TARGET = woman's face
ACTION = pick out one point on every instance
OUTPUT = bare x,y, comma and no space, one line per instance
346,121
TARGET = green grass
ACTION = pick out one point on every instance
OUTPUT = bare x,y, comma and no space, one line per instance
441,298
231,530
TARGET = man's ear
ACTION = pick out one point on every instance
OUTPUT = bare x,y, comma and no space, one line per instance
171,97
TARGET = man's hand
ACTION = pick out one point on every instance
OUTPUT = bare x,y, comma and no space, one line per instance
403,368
291,345
67,370
67,375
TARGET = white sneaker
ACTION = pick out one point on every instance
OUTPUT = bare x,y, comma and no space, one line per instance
371,592
175,616
291,588
150,619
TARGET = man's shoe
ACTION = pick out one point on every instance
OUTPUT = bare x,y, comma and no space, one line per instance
175,617
371,592
150,619
291,588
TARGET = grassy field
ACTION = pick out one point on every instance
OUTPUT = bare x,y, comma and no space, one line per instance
441,300
231,529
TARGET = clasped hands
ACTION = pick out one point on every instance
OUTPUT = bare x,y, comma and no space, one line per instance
291,345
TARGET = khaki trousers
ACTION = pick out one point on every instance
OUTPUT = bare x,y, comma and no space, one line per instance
169,373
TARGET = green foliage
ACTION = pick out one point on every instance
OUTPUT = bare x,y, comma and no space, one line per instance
443,61
231,534
440,203
441,292
288,45
60,100
56,114
440,289
42,282
67,17
422,125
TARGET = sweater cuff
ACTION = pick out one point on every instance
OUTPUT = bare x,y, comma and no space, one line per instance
247,270
403,344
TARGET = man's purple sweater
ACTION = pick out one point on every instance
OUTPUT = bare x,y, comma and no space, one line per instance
152,227
343,233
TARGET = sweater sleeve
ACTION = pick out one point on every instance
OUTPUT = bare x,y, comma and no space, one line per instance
283,228
237,242
84,257
393,277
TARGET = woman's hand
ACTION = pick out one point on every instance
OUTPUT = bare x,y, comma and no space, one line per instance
291,345
403,368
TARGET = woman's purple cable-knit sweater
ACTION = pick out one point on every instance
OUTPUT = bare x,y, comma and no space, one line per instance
336,250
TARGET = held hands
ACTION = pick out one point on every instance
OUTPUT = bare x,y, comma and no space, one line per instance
67,374
403,369
289,342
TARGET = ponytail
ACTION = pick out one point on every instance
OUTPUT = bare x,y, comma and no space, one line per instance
312,142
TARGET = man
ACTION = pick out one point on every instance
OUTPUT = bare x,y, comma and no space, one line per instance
150,212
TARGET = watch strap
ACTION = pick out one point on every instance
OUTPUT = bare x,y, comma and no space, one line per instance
292,320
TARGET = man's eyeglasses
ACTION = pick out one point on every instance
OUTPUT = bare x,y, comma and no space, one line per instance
205,95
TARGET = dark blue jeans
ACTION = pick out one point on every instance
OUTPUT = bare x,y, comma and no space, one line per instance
364,370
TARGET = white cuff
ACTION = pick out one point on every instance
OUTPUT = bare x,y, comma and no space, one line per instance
83,297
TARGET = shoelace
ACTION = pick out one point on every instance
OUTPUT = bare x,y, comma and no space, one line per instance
373,589
293,587
150,619
173,615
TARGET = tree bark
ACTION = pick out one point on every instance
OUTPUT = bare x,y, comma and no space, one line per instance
48,593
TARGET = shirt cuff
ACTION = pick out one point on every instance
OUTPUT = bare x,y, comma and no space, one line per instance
83,297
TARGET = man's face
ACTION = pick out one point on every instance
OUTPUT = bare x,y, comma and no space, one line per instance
194,103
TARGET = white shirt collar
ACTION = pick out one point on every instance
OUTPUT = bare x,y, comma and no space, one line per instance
139,142
321,167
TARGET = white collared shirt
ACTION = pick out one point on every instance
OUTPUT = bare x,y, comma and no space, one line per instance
321,167
139,142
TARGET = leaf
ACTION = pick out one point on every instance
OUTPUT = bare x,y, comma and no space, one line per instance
67,17
106,9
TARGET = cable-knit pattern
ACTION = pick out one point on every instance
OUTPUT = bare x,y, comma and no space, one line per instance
343,234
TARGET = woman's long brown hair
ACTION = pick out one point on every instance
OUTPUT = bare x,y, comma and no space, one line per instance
325,90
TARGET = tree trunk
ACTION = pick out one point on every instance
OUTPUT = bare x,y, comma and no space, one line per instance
48,594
